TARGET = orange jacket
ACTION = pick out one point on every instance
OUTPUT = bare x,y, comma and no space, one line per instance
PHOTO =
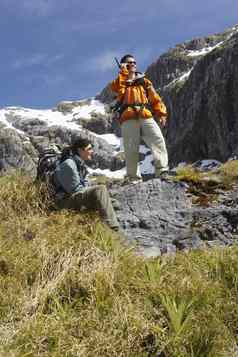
137,94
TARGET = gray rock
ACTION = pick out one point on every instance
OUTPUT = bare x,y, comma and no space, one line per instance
17,152
37,135
159,217
67,106
203,111
171,65
152,213
203,106
100,124
107,95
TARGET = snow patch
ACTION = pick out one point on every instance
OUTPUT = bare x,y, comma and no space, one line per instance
206,165
118,174
204,51
144,149
7,124
183,77
85,111
53,117
146,167
111,139
57,118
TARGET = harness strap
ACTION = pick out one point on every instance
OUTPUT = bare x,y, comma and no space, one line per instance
120,107
123,107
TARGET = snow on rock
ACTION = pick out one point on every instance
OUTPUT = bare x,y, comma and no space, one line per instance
118,174
8,124
112,139
52,117
144,149
204,51
146,166
35,124
182,77
48,116
85,111
206,165
20,117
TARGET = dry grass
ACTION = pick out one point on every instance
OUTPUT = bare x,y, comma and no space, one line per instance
225,176
204,186
68,287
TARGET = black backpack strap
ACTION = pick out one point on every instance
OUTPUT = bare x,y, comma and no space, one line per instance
120,107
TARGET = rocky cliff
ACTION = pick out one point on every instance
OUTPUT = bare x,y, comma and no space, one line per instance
24,133
198,82
163,217
203,106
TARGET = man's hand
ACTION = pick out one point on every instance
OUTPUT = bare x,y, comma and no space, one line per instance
163,121
123,66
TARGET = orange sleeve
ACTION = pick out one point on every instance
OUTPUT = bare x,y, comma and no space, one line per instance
158,107
118,85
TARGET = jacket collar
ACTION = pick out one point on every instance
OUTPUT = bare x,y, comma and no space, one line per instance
139,75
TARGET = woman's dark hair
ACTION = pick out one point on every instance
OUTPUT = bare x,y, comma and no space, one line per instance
80,143
124,58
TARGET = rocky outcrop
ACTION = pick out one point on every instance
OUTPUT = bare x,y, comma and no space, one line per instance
174,63
181,59
30,131
16,151
66,106
106,95
203,120
159,217
198,82
99,124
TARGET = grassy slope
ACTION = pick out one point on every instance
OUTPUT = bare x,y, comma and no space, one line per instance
68,287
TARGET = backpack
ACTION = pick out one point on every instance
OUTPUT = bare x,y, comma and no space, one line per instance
48,160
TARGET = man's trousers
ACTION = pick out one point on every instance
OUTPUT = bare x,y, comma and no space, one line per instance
133,130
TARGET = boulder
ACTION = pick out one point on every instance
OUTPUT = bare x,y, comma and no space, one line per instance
16,151
159,217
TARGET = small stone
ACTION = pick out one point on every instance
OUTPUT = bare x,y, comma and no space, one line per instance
151,252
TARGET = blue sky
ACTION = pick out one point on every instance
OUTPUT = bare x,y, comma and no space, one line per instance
53,50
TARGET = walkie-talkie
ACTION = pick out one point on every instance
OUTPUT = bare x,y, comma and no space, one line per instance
117,62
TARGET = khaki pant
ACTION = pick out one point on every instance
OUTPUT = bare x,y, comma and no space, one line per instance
92,198
133,130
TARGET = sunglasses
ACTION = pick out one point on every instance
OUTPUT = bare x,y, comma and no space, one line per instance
89,148
131,62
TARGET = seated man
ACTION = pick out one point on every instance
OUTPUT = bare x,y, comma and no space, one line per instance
72,187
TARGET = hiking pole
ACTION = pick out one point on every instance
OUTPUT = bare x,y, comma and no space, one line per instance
117,62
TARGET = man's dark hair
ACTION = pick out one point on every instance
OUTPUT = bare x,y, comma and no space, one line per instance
79,143
124,58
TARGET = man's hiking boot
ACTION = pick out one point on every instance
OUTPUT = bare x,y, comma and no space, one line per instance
166,175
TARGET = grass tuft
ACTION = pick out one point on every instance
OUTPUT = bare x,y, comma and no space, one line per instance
70,287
